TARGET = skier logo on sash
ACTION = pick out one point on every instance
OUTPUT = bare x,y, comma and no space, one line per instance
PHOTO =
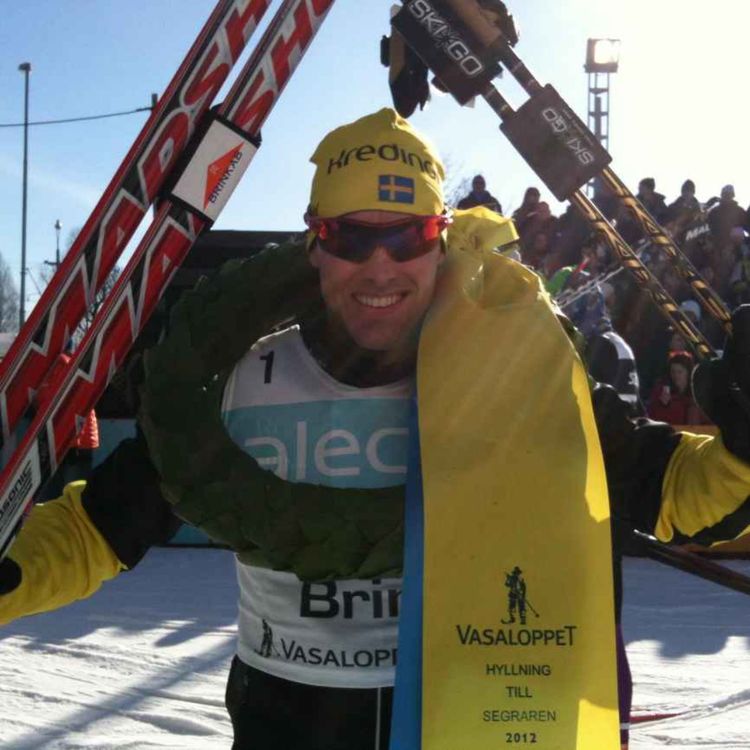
518,603
267,648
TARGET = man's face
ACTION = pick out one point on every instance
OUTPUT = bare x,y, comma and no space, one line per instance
479,185
380,302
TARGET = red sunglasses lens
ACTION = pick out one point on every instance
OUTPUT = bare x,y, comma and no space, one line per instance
356,242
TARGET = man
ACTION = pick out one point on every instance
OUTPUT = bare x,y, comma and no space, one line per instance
724,216
324,404
529,204
684,208
652,201
480,196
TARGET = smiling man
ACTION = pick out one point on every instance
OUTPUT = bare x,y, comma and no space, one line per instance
292,447
379,297
376,219
343,379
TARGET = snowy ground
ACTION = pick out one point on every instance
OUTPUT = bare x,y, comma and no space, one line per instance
143,664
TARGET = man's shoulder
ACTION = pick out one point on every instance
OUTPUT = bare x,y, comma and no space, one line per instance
286,337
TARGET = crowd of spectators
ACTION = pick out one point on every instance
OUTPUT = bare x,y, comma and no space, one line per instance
712,234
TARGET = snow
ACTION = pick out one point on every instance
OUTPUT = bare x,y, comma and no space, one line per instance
143,663
689,647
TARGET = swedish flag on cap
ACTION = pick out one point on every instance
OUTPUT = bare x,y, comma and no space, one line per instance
376,162
395,189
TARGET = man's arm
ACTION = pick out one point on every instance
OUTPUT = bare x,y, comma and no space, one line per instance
676,485
58,557
679,486
636,453
68,547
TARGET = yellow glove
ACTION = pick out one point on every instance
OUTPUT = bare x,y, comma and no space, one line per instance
58,557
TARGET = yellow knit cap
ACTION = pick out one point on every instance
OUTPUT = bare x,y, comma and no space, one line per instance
376,162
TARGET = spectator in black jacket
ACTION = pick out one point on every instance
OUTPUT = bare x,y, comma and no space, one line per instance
652,201
480,196
527,207
536,234
724,216
685,206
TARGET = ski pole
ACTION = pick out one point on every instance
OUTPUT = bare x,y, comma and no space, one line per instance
689,562
675,557
457,42
707,296
463,51
628,258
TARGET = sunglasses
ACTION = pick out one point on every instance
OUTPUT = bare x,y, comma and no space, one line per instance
355,241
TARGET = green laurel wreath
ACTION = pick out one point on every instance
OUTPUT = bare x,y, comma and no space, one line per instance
316,532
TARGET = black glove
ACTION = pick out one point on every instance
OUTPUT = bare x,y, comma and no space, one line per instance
721,387
10,576
636,455
408,75
124,501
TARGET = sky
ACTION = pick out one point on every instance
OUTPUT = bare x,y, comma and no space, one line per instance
678,104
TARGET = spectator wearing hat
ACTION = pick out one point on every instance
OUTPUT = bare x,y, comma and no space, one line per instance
536,235
528,206
652,201
685,207
480,196
671,397
571,233
724,216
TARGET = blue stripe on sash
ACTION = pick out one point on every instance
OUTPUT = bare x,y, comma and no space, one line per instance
406,722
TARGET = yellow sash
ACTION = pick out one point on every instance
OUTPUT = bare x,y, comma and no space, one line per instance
518,635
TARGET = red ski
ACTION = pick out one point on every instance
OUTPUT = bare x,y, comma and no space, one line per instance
215,167
647,718
124,203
